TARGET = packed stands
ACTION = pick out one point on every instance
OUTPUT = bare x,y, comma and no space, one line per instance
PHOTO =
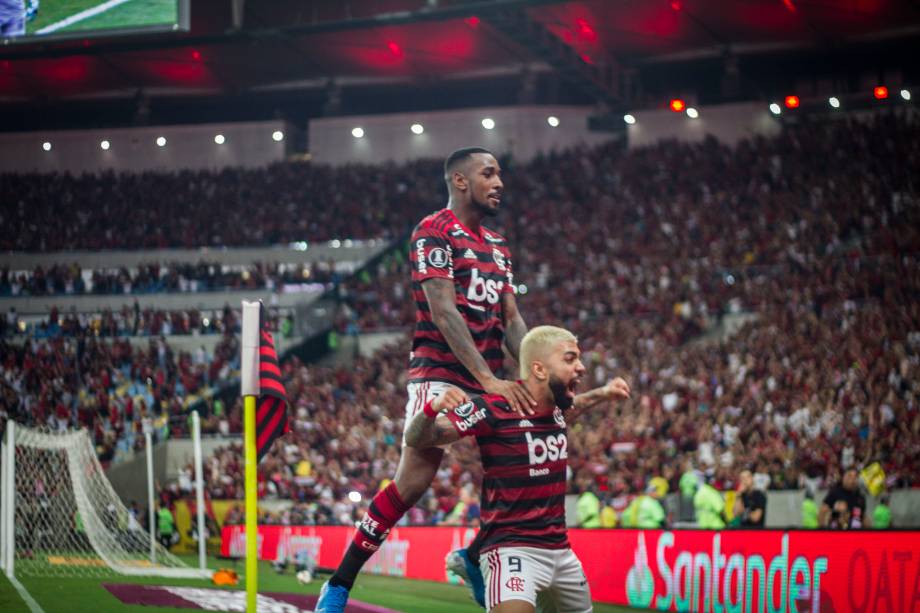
109,386
811,238
152,278
132,320
279,204
819,381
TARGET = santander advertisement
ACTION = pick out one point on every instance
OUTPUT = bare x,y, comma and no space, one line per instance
768,571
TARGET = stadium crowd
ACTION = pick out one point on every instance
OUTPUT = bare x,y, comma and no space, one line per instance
71,279
797,408
133,320
110,387
824,376
807,241
232,207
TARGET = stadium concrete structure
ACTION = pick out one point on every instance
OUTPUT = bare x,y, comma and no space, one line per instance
361,100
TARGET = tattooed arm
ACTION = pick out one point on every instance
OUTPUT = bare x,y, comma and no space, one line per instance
617,389
430,427
442,299
426,432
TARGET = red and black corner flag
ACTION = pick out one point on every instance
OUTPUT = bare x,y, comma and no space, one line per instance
271,408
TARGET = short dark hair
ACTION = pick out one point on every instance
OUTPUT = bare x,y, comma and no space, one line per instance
460,155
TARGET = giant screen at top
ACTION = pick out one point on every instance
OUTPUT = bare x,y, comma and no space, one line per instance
30,20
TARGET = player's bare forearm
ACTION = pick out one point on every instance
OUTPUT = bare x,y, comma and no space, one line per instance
441,297
515,331
615,390
584,402
425,432
588,400
515,328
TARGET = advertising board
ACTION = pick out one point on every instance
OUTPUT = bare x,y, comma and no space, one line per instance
739,571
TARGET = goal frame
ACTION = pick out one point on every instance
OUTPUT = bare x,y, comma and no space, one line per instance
8,509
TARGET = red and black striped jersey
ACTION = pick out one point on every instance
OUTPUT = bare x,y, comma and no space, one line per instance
480,267
524,464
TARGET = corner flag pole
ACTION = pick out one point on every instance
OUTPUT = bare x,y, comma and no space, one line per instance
249,389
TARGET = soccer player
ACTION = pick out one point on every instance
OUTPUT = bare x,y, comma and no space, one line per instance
465,312
526,558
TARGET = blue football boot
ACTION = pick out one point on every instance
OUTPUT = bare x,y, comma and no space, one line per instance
458,562
332,599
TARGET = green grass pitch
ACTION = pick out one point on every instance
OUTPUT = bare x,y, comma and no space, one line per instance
66,595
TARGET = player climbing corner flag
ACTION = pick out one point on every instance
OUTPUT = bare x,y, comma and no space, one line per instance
261,377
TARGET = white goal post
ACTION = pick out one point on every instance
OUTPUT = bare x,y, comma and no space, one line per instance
60,516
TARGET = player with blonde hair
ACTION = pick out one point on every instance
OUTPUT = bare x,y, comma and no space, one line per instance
526,560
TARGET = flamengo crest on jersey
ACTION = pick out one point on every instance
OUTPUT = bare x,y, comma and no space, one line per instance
481,270
524,463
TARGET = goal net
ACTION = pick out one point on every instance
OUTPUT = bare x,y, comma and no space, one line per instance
61,516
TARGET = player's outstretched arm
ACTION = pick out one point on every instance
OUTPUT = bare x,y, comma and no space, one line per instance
615,390
441,297
430,427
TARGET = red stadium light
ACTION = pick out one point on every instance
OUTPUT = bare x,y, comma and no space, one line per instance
676,5
880,92
792,102
585,31
678,105
196,54
394,48
472,21
586,58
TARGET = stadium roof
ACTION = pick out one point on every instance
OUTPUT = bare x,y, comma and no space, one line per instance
611,51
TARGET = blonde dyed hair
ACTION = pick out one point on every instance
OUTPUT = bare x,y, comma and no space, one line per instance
539,342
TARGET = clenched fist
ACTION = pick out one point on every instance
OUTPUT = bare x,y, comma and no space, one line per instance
452,398
617,389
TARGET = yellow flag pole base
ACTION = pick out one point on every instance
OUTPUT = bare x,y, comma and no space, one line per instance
252,503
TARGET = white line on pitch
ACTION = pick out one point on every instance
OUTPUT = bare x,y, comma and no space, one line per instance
90,12
34,607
